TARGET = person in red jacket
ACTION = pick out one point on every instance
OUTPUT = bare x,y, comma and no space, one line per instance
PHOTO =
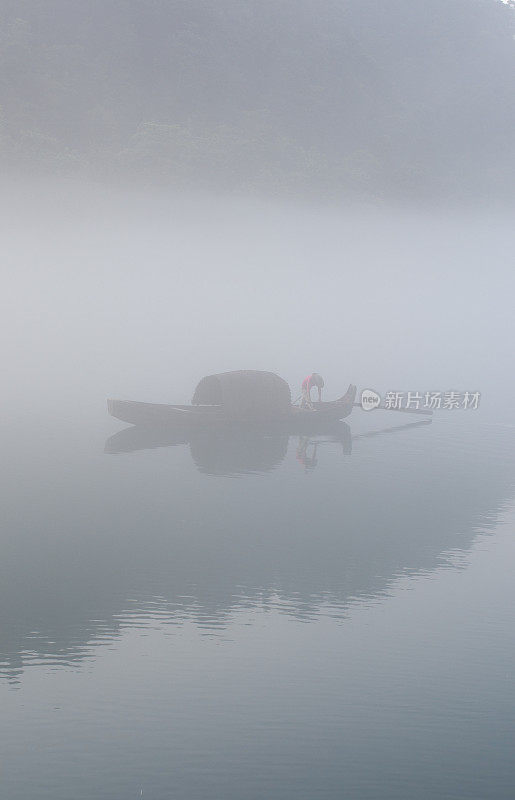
307,384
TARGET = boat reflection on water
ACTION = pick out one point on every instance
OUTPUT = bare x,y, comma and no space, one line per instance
238,450
242,453
307,453
121,541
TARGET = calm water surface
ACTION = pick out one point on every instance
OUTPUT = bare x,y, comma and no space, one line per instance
256,615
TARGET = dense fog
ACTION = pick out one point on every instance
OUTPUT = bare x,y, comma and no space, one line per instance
323,98
197,187
138,295
311,602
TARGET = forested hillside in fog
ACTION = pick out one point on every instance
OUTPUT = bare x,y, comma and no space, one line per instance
396,98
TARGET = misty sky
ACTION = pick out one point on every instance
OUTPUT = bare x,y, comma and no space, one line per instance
139,295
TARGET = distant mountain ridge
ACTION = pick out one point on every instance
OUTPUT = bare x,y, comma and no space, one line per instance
403,98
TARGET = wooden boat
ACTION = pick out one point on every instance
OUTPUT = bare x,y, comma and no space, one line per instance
235,397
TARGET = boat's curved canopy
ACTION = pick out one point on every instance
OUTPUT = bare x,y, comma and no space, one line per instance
245,394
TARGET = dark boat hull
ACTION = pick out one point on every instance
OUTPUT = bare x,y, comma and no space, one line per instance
161,415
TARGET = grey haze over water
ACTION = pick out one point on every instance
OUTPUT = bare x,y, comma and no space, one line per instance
191,188
208,612
139,295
